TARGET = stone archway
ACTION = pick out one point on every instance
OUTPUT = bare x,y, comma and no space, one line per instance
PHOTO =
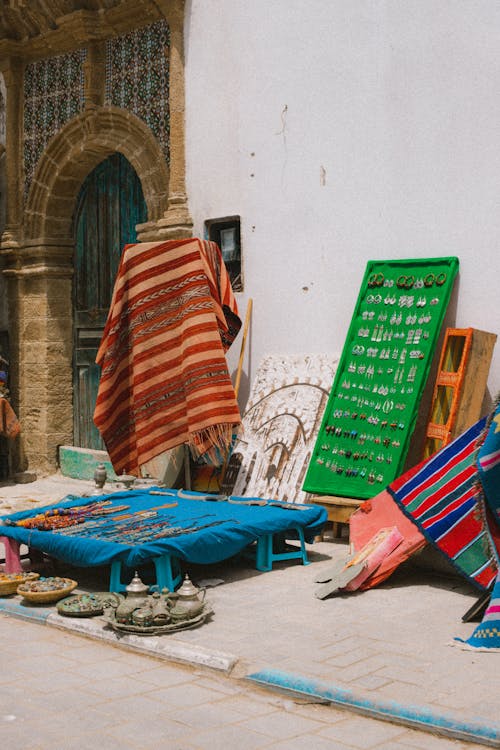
75,151
42,287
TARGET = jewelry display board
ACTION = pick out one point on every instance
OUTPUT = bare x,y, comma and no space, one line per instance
373,405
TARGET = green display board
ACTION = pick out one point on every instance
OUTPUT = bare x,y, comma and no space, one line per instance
373,405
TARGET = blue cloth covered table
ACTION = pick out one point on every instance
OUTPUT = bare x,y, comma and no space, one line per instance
225,528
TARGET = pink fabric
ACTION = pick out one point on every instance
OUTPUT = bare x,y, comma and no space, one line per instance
12,556
376,514
379,548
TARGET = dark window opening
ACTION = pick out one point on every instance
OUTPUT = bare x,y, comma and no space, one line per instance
226,233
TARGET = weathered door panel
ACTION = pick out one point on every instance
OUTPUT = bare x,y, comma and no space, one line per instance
109,206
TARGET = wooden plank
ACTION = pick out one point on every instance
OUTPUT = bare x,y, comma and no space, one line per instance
475,380
339,509
460,386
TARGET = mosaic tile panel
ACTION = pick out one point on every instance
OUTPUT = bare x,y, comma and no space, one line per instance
137,77
53,93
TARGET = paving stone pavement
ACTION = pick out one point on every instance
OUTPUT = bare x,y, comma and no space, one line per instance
390,644
60,691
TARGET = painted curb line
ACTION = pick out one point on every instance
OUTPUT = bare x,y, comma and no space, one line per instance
160,647
14,608
423,718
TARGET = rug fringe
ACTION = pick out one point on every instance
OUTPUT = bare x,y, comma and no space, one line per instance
214,442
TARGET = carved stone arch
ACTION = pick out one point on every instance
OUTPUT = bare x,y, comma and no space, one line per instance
77,148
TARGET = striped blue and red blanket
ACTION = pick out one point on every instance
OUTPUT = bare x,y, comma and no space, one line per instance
442,496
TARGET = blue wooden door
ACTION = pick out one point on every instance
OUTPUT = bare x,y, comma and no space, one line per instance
109,206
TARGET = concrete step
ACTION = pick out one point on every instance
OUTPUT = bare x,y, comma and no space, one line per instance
81,463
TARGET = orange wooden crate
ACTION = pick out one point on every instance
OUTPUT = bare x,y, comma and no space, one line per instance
460,385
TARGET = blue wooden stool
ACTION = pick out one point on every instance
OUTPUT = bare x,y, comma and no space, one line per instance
168,574
265,555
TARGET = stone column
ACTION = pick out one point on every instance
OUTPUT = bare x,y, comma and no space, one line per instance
40,280
13,76
176,221
94,69
12,69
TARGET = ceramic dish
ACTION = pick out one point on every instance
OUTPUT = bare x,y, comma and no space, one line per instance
88,605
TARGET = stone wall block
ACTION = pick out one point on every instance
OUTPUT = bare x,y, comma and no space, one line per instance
33,288
33,443
59,298
61,418
34,308
33,329
126,143
59,148
63,204
32,416
32,372
60,387
57,287
54,441
58,309
37,457
58,352
58,224
34,352
66,184
58,329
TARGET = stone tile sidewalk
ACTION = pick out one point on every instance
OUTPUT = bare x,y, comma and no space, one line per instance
59,691
391,646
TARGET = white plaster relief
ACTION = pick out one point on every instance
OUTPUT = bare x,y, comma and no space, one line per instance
281,423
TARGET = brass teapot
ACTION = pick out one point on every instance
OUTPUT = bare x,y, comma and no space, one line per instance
137,597
190,601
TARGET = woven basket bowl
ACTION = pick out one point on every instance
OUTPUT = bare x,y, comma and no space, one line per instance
47,597
10,583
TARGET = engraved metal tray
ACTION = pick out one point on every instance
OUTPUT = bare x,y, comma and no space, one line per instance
161,629
88,605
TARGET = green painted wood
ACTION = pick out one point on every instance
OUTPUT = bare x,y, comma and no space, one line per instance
373,405
109,206
81,463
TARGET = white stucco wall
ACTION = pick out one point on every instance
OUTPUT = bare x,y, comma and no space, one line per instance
343,132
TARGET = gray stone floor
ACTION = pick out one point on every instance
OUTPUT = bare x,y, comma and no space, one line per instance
393,643
60,691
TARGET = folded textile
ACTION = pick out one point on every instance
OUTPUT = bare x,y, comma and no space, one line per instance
9,423
349,575
378,513
164,377
488,464
487,635
374,553
442,496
